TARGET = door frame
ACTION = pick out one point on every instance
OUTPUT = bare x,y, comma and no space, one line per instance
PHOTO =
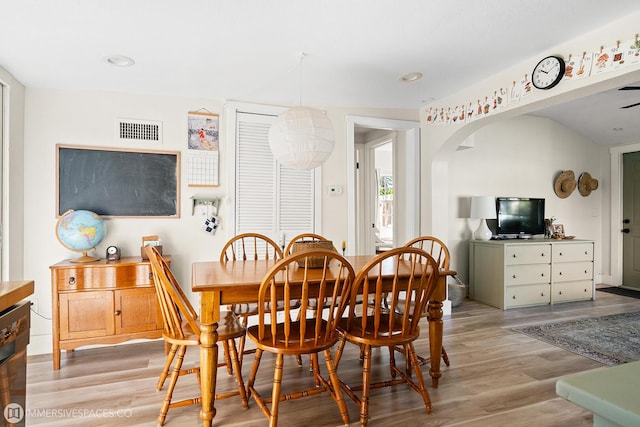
616,251
410,162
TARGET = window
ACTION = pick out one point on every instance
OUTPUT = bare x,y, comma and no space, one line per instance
269,198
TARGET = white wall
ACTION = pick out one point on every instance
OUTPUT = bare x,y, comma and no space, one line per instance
13,176
87,118
521,157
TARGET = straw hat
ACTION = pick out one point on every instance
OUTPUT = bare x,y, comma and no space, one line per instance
586,184
565,184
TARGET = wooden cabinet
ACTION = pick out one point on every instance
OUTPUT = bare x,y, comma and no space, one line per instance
507,274
103,303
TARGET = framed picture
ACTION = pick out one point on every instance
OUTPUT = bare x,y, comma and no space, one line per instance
557,229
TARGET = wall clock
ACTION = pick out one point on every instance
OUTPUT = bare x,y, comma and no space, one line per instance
113,253
548,72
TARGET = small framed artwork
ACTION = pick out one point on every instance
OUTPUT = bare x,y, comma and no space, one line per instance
557,230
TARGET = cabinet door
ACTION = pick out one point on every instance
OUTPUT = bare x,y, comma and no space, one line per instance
137,310
86,314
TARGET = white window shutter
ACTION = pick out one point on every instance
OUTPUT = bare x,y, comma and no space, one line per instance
270,199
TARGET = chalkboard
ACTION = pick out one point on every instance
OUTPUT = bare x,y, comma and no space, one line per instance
118,182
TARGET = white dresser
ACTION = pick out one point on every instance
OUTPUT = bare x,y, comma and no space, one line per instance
519,273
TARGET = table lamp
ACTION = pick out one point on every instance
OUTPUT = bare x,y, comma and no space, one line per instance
483,208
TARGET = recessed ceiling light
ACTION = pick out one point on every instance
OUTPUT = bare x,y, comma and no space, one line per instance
120,60
411,77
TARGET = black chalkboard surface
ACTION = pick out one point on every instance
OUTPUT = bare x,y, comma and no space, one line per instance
118,182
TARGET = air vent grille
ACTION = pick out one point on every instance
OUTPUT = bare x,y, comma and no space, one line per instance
131,130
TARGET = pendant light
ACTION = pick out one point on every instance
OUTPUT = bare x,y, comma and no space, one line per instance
302,137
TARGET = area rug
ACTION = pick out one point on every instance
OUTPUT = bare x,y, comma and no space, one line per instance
612,339
620,291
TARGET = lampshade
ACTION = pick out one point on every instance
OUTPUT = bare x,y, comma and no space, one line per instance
302,138
483,207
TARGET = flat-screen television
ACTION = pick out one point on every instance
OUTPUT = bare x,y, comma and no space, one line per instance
519,217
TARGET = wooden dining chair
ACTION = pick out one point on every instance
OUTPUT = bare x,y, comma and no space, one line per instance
438,251
294,277
313,305
182,330
247,246
405,270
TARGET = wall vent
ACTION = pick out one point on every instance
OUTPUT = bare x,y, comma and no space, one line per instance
132,130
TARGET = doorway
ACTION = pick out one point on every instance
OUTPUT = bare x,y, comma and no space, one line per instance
405,178
377,198
630,226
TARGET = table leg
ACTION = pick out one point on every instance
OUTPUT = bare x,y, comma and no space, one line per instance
208,371
435,340
209,315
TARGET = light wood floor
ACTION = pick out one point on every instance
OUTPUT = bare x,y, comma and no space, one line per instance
497,378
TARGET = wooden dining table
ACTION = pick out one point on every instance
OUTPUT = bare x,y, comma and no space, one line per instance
236,282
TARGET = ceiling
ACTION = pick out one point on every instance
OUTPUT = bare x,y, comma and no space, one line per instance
249,50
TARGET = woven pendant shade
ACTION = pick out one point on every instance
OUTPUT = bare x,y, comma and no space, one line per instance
302,138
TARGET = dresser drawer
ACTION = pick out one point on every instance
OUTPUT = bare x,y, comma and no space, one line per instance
528,254
517,296
527,274
572,271
122,276
573,291
570,252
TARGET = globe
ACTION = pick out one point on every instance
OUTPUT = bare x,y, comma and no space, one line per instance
80,231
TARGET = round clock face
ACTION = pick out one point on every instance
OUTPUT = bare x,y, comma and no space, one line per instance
548,72
112,250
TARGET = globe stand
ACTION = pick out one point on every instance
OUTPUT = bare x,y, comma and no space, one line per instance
85,258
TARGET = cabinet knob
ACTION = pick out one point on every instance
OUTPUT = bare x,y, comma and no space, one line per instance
514,276
560,273
72,281
542,254
542,275
117,313
560,254
541,294
560,293
514,297
514,255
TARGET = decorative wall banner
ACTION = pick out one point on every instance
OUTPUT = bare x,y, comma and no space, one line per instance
578,66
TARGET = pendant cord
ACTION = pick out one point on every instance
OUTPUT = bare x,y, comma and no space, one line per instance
302,56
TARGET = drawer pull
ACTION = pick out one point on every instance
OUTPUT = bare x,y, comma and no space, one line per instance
541,294
560,273
541,274
560,253
514,255
117,313
542,254
72,281
514,297
560,293
514,276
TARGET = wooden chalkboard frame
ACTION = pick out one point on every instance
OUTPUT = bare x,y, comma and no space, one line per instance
117,182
